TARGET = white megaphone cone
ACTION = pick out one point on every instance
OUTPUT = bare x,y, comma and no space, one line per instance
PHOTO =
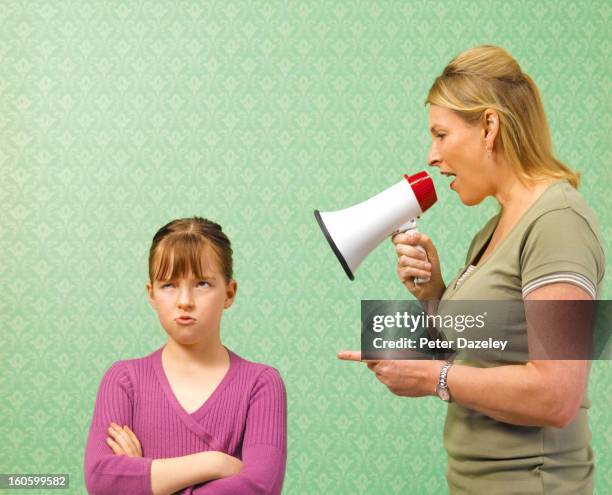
355,231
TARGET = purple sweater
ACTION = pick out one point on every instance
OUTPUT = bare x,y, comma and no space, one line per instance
245,417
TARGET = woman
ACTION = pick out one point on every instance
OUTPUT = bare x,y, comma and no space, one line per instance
517,428
191,415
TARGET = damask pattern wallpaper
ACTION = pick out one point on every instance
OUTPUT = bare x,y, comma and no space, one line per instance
118,116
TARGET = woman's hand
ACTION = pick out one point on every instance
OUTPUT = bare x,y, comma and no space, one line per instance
123,441
408,378
412,263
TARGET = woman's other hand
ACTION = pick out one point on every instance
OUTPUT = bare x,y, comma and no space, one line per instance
123,441
407,378
411,263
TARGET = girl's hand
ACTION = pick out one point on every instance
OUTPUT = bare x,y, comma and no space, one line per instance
227,464
123,441
413,263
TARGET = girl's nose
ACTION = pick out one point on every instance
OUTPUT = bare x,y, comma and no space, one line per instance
185,299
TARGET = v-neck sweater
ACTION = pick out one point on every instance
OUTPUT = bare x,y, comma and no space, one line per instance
245,417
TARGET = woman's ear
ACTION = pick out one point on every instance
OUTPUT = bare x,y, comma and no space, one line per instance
151,295
230,293
490,127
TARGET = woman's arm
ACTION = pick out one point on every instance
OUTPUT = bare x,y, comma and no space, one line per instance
539,393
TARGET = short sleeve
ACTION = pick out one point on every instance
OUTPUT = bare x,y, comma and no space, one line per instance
561,246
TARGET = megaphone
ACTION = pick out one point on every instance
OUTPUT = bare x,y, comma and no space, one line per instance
354,232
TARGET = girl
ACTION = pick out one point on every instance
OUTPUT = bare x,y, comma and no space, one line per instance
192,415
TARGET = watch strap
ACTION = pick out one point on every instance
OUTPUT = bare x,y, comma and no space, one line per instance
442,382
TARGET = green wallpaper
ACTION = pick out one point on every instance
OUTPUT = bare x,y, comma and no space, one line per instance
117,116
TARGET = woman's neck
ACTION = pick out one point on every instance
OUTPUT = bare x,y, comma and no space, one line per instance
516,197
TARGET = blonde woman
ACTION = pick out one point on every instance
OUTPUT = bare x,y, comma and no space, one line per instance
514,428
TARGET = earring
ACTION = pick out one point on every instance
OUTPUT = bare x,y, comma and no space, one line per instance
489,151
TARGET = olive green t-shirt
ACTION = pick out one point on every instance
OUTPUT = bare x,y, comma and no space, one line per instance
556,239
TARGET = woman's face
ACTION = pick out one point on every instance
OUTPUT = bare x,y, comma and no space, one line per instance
190,309
460,150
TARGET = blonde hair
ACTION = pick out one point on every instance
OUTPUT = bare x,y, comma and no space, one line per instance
485,77
187,245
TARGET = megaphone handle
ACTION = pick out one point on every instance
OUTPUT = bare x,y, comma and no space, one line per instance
411,227
422,280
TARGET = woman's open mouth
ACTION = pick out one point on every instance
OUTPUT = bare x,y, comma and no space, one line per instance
450,174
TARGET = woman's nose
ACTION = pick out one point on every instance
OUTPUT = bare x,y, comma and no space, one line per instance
433,158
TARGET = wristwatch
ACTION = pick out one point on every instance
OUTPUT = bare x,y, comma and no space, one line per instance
442,388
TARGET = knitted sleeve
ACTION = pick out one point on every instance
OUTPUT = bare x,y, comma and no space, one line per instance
106,473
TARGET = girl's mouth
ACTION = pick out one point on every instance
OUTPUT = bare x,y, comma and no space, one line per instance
185,320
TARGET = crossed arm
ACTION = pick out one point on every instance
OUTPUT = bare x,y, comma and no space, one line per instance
260,475
173,474
114,460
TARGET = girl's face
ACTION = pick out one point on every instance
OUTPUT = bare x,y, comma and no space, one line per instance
190,309
460,151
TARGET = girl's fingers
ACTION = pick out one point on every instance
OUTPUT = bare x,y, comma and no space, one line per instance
122,438
131,434
117,450
126,439
134,438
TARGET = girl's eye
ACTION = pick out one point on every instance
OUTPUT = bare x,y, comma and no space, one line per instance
203,283
166,285
441,136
